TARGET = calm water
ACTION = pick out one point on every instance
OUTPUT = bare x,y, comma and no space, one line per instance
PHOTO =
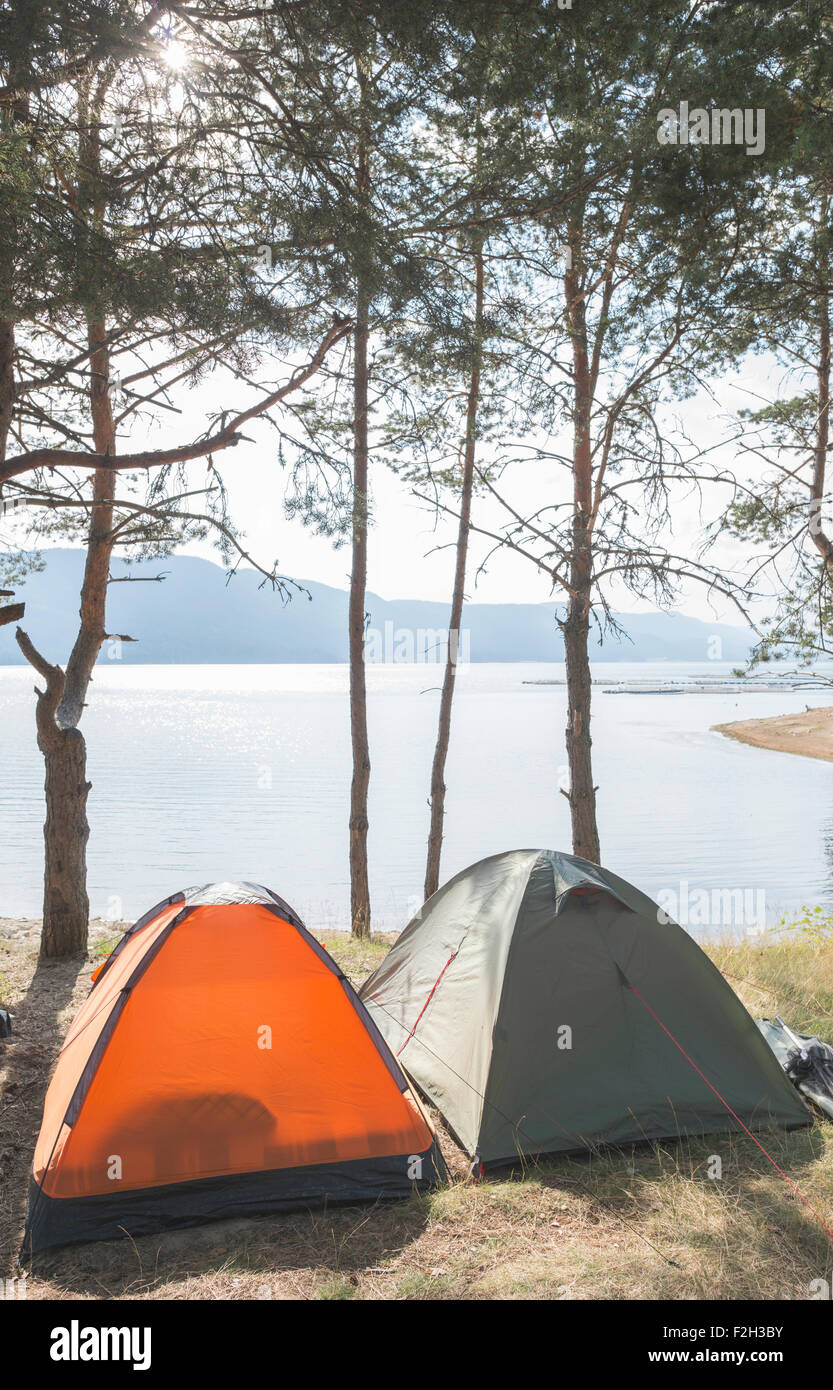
212,772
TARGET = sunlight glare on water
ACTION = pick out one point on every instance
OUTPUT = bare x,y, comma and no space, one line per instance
215,772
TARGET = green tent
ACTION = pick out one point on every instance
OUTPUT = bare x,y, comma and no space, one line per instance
543,1005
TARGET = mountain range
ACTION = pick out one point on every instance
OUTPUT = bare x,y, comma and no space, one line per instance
198,615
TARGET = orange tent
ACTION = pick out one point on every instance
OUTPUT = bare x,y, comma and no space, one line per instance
221,1065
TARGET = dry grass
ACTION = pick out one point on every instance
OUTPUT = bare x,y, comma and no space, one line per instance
787,971
646,1224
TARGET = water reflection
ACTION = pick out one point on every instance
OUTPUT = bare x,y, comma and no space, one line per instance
202,773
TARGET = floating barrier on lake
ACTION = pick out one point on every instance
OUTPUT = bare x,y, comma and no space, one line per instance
695,686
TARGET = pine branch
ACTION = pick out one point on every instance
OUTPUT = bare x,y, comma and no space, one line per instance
147,459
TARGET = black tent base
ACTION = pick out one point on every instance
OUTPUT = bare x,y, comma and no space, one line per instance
521,1162
54,1221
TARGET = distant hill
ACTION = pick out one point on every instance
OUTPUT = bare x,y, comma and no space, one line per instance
198,615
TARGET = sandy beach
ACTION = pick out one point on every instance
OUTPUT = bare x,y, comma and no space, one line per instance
810,733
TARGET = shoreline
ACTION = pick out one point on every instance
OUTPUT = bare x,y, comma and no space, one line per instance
808,734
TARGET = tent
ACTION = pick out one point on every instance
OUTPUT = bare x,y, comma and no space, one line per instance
543,1005
221,1065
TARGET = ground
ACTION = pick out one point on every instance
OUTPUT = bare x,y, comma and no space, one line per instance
810,733
646,1224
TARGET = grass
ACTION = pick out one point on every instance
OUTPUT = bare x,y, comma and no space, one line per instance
648,1223
788,971
102,947
358,959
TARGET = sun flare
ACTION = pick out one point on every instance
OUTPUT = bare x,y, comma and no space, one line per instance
175,55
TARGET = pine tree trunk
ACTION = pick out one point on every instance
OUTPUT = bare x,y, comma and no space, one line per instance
7,386
576,625
438,788
66,907
359,878
66,904
66,830
17,112
360,784
818,532
92,628
582,793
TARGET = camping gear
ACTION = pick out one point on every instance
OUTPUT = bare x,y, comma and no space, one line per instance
544,1005
807,1061
221,1065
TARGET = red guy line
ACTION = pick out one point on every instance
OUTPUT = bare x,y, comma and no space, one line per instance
796,1190
427,1002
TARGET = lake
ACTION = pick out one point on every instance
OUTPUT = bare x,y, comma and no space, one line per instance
213,772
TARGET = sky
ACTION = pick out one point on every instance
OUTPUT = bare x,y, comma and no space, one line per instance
411,548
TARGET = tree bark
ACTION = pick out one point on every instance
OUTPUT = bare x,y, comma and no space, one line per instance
10,612
16,113
360,784
7,388
66,906
92,629
438,787
576,624
582,793
820,538
65,832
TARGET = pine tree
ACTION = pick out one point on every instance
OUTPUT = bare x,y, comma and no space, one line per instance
783,310
161,192
637,273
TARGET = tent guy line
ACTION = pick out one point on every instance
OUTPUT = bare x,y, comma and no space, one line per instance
692,1063
531,941
520,1130
507,950
589,1147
